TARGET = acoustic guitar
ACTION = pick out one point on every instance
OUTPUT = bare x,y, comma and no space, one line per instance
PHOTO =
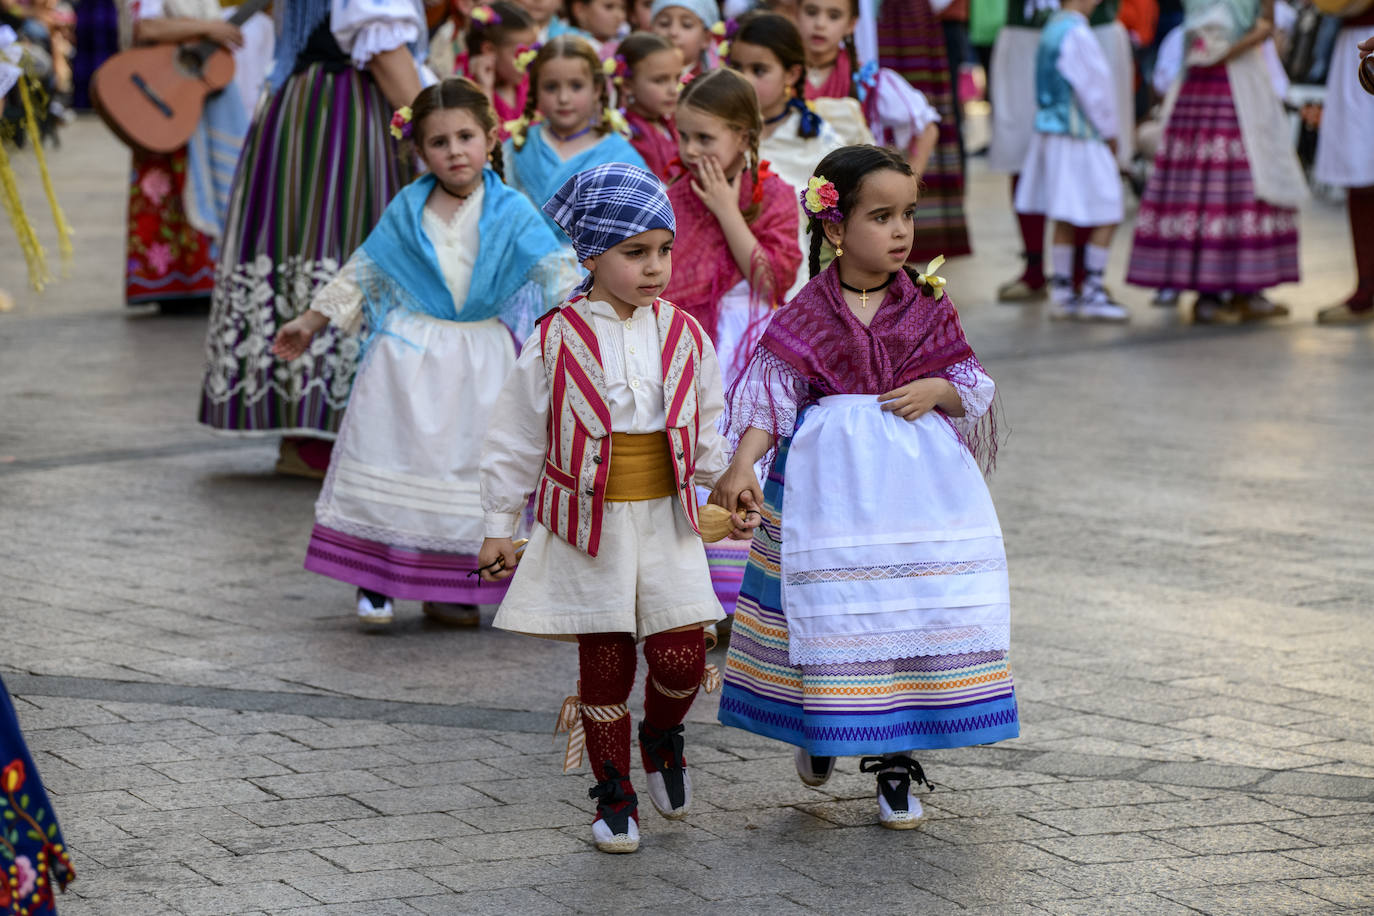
152,97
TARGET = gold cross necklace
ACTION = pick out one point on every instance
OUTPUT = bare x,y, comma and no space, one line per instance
863,293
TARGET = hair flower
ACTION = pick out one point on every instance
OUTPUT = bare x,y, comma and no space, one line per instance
930,284
821,200
525,55
616,121
865,80
718,29
621,71
400,123
486,15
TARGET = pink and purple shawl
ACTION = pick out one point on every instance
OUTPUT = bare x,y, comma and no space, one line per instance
815,347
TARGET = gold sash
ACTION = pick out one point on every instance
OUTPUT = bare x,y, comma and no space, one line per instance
641,468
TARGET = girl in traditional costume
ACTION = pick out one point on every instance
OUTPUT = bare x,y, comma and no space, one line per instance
767,51
695,28
603,21
1070,173
875,616
497,34
896,114
648,76
458,264
739,220
610,418
1219,212
318,169
569,89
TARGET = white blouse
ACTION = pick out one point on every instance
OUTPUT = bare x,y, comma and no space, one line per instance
455,245
517,439
366,28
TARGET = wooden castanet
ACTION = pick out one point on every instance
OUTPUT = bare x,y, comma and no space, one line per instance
714,523
1367,74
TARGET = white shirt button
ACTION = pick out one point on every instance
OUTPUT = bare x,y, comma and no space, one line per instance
632,351
634,383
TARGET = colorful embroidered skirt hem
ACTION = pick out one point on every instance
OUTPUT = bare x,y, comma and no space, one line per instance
399,572
935,701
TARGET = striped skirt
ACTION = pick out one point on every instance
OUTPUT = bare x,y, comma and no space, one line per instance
1200,225
874,707
911,42
318,168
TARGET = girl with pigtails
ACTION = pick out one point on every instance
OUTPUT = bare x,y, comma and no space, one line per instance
577,128
457,270
767,51
739,221
497,34
648,79
874,617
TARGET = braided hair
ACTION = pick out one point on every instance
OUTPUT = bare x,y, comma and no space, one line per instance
571,46
455,92
846,168
780,36
509,18
727,95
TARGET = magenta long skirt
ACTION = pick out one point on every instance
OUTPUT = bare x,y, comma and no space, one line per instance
1200,225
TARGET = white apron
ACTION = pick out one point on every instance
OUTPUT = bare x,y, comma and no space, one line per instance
891,546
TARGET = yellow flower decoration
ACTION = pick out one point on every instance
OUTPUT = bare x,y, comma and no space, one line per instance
718,30
616,121
723,49
517,129
931,284
400,123
525,58
608,66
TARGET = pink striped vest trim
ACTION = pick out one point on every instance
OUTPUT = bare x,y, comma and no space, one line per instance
570,496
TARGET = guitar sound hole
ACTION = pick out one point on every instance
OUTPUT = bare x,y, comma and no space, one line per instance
189,61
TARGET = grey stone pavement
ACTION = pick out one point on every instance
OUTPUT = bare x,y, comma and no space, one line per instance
1188,511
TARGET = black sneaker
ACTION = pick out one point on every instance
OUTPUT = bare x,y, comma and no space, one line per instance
670,789
898,809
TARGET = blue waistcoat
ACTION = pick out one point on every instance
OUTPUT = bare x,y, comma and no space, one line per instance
1058,111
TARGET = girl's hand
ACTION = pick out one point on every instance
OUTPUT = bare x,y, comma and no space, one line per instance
497,550
293,337
913,401
738,490
718,193
482,68
1366,47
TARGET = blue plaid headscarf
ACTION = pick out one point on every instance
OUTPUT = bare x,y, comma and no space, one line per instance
604,206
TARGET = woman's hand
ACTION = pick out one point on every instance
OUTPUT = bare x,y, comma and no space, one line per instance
913,401
224,33
294,336
497,559
718,193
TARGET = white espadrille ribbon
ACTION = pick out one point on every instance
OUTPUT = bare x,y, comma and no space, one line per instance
710,682
570,721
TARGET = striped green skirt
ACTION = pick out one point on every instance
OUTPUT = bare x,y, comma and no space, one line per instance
316,172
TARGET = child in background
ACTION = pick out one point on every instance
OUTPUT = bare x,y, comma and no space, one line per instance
609,418
1070,173
896,114
603,20
568,87
547,23
695,27
875,613
640,18
458,263
767,51
648,77
495,35
739,222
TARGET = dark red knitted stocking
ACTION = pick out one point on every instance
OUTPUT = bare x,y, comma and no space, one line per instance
1081,236
677,660
1361,205
607,663
1032,227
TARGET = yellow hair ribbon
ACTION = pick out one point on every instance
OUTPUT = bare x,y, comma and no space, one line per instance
23,228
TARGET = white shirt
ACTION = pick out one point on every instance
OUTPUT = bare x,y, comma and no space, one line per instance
517,440
1082,62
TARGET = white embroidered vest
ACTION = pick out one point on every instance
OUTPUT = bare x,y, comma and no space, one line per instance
570,496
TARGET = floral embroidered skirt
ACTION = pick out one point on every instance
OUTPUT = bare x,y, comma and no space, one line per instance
33,857
168,259
842,706
911,42
1200,225
318,168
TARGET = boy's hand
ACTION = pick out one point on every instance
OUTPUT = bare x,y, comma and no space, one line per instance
738,490
497,559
